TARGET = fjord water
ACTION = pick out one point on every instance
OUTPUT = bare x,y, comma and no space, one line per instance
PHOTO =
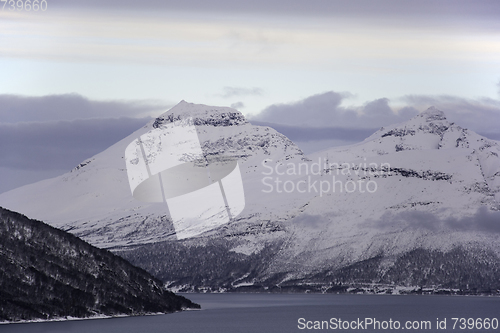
241,313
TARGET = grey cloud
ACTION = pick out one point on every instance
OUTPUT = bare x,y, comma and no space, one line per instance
230,92
60,145
311,111
325,110
423,12
305,134
307,221
410,219
483,220
320,122
238,105
16,108
322,116
378,112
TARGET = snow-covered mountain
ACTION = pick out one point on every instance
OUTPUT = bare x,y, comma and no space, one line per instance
424,185
94,201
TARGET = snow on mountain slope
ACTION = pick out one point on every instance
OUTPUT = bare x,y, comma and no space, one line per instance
423,184
408,185
436,188
94,201
430,133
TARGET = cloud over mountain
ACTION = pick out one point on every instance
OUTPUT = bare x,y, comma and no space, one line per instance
483,220
325,109
19,108
323,116
60,144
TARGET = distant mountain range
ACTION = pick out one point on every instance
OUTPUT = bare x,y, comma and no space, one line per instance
415,204
47,273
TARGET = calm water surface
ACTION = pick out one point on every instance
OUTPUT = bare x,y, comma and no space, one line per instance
276,313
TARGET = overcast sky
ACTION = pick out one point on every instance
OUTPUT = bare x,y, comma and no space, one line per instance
83,74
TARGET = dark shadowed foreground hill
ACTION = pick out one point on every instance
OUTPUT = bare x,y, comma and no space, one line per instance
48,273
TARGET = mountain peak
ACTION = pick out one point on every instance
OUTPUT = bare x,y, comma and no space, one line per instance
430,121
201,115
428,130
433,113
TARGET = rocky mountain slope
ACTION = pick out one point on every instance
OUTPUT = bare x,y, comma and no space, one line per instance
47,273
94,202
423,191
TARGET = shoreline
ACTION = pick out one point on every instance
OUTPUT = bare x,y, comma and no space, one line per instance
65,319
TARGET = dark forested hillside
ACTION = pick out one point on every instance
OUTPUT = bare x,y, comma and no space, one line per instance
47,273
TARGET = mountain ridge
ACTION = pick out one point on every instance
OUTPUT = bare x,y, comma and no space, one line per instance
429,185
